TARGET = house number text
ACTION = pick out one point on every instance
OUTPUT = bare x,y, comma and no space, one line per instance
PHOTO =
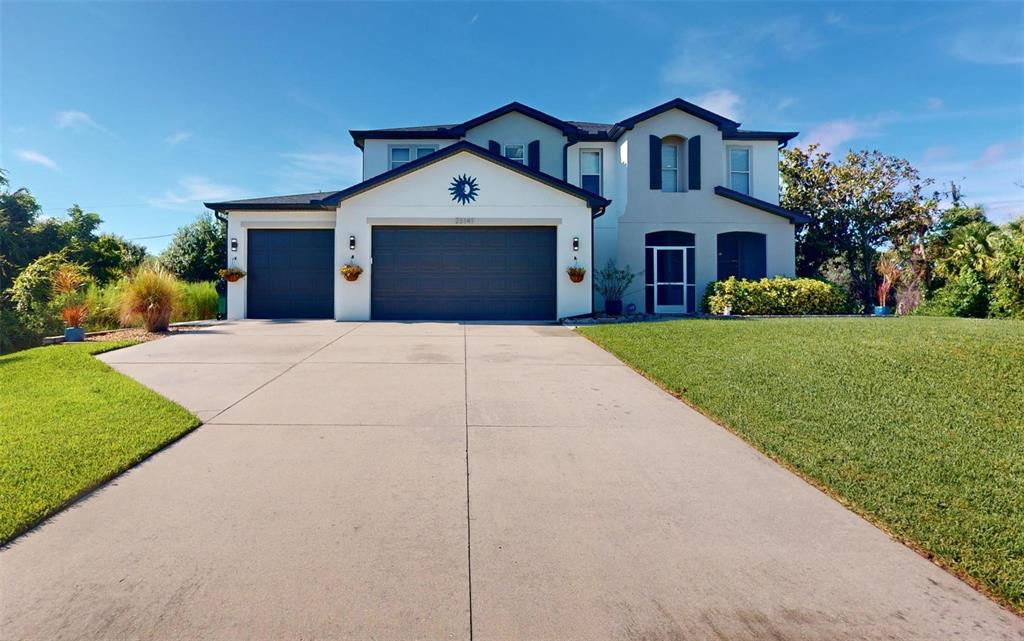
465,221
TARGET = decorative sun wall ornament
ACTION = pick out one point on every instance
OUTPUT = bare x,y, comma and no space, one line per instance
464,189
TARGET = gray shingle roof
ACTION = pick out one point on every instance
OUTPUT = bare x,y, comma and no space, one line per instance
291,201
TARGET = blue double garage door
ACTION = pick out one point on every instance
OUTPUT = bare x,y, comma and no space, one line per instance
463,273
418,273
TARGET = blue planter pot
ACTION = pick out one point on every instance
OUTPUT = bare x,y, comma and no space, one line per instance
613,307
883,311
74,334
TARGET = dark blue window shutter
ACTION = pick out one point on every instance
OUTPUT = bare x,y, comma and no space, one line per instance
655,163
694,162
494,147
533,155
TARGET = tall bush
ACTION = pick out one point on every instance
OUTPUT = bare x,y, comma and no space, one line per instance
198,302
776,297
151,295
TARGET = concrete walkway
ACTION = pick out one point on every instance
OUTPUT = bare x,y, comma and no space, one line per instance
447,481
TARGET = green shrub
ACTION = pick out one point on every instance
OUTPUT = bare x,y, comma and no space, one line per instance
776,297
198,302
150,295
35,311
965,296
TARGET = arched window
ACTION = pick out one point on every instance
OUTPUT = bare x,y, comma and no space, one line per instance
669,270
742,254
673,163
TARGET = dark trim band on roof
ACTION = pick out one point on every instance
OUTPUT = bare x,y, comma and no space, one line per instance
596,203
294,202
794,217
721,122
781,137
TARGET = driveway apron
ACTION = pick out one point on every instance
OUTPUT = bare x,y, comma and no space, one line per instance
456,481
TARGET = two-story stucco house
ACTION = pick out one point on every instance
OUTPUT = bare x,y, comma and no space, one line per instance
480,220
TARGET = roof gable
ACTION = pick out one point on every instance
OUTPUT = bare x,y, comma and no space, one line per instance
721,122
593,200
516,107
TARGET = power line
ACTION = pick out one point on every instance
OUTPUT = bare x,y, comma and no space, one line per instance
151,237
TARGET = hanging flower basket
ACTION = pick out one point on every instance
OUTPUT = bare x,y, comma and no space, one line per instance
576,273
232,274
351,272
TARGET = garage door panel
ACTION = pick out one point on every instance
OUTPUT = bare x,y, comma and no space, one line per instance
290,273
463,273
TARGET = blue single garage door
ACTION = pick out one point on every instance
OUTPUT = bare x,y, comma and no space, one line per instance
291,273
463,273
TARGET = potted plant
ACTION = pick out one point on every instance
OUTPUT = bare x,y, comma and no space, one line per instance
232,274
351,271
67,281
612,283
576,273
889,269
74,315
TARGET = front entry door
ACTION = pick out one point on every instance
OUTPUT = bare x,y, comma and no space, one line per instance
670,280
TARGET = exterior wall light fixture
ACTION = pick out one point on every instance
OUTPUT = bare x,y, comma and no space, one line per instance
351,242
575,243
234,244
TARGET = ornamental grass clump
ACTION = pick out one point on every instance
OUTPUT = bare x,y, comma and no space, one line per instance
151,295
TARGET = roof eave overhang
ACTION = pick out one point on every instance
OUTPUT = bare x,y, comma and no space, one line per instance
794,217
229,206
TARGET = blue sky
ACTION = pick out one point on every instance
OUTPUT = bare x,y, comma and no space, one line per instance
140,111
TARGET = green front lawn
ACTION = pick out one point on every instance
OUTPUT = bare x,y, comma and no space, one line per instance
916,423
68,422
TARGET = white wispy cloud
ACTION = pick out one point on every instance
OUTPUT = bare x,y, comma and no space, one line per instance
324,169
936,153
1002,46
36,158
193,190
178,137
833,135
722,102
79,120
701,59
996,153
933,103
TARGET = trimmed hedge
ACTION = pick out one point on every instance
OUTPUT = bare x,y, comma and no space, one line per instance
776,297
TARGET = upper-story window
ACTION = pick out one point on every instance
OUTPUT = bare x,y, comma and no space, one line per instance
672,164
739,169
401,154
590,170
516,153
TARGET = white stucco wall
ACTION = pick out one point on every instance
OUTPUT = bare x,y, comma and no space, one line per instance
515,128
505,199
239,224
377,154
700,212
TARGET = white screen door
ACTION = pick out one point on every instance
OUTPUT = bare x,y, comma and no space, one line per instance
670,280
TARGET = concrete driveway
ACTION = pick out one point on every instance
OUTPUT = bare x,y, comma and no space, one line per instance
448,481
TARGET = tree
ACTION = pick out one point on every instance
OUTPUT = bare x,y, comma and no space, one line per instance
18,213
197,250
857,205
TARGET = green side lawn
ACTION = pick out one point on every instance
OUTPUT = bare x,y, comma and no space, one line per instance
916,423
68,422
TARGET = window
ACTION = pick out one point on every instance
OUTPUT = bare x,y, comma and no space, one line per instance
590,170
739,169
401,154
516,153
673,168
669,167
